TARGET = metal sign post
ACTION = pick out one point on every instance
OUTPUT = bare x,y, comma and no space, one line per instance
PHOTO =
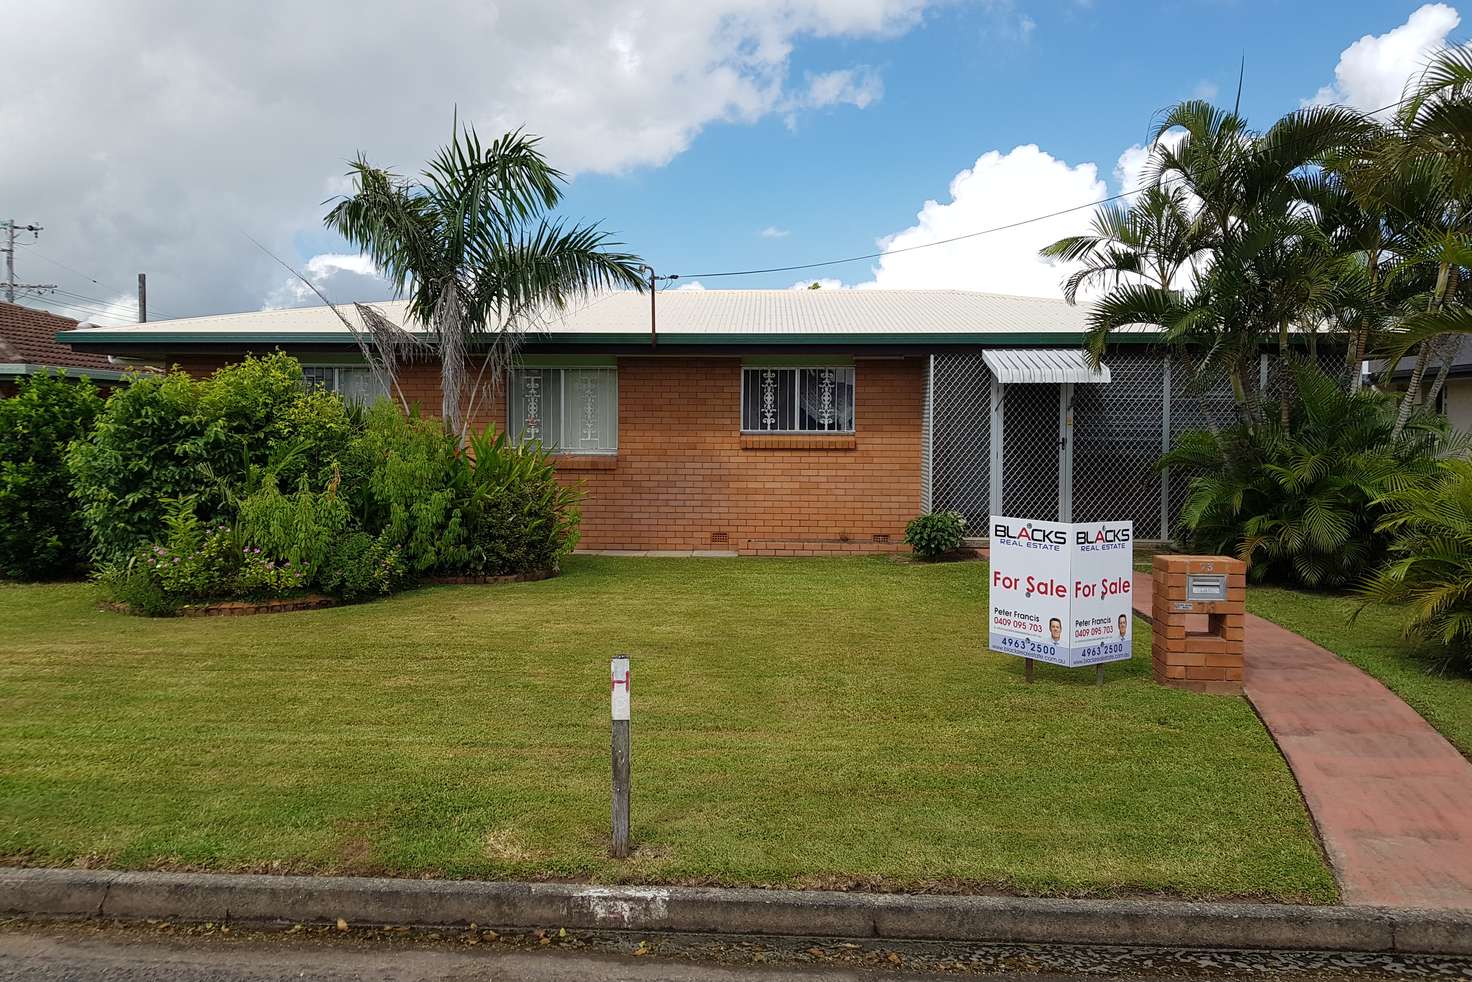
619,688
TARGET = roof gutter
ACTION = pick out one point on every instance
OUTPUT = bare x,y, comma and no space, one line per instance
25,369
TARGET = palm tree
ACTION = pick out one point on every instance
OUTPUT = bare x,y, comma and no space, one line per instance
1222,251
474,247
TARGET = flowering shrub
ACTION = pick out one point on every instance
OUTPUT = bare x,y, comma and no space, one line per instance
204,565
264,577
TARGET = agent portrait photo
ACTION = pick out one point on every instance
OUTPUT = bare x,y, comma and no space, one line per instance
1055,628
1124,625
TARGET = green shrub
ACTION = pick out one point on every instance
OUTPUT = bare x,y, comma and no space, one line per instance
520,519
1430,564
168,437
41,530
360,566
134,586
936,534
1302,504
143,452
403,477
196,560
300,528
263,576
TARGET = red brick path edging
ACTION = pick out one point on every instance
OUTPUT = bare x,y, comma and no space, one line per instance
1391,798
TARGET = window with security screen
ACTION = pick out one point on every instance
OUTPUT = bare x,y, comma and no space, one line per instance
797,400
355,384
567,410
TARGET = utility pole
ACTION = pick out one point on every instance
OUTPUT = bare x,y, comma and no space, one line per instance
143,298
10,229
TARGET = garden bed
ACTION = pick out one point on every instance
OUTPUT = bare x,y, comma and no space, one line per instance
797,722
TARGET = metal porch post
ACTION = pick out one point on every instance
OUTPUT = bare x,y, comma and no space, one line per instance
995,470
1065,452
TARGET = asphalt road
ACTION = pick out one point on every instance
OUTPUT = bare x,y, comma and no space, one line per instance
91,952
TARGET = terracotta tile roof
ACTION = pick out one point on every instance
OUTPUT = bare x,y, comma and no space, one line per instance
28,336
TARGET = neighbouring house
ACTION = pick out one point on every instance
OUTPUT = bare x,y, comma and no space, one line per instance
788,421
28,346
1454,401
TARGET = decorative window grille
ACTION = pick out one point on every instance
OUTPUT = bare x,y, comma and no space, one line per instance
569,410
797,400
355,385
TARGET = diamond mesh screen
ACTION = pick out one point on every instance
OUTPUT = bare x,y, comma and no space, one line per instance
1117,433
1030,451
1117,436
960,438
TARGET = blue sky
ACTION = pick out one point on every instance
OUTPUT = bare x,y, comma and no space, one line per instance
150,141
1084,84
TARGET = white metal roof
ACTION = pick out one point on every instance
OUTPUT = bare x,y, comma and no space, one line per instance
696,313
1014,366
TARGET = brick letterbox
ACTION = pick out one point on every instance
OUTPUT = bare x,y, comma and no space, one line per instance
1196,616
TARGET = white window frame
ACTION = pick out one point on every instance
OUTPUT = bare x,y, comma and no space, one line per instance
566,398
336,383
840,372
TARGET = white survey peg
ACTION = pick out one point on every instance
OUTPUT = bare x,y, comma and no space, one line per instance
619,687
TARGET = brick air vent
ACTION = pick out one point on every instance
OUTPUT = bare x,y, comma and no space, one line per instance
719,538
880,537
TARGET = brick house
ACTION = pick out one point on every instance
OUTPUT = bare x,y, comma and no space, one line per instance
783,421
28,346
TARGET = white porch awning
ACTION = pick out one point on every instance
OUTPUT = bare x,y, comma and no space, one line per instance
1015,366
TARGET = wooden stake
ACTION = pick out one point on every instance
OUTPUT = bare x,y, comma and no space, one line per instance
619,687
1027,669
1098,674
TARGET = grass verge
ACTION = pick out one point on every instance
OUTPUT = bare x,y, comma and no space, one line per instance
796,722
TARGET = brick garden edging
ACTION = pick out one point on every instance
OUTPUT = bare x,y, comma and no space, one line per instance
239,608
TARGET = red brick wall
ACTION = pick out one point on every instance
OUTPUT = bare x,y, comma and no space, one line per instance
684,472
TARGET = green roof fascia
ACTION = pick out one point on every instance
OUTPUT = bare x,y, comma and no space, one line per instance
1072,339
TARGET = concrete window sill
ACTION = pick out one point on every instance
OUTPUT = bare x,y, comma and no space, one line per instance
800,441
585,462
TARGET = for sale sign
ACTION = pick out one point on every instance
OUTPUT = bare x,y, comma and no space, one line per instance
1061,591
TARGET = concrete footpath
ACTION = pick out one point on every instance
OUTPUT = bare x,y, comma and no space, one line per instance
283,900
1391,798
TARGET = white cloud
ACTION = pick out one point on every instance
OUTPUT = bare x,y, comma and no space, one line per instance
824,283
1129,170
342,277
998,190
1372,72
773,232
1205,89
852,86
690,285
150,139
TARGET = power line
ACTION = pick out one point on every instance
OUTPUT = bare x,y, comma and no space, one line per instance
954,238
38,298
923,245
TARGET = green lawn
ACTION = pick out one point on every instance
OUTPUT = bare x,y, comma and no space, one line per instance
796,722
1373,642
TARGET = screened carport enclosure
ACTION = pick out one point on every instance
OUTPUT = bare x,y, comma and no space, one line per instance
1042,434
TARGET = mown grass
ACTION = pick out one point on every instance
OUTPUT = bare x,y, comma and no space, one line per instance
1373,642
796,722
